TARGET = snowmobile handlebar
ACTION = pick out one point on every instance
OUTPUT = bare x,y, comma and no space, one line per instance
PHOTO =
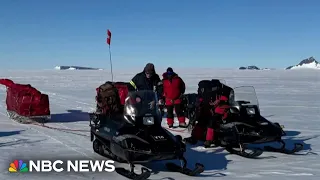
243,102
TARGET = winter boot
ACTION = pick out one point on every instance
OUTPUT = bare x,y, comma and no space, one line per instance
170,122
183,125
208,143
209,138
182,122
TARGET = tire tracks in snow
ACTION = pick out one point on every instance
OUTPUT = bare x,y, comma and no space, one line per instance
28,126
77,138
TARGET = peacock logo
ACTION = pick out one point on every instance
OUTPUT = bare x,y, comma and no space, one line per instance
18,166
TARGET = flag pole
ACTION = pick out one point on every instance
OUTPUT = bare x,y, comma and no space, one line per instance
110,63
109,43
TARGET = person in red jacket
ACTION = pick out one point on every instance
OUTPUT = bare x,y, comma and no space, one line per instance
219,114
173,89
216,113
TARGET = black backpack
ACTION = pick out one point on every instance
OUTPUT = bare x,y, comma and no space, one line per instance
208,89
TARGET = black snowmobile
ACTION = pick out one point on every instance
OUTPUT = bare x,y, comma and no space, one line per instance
138,137
246,126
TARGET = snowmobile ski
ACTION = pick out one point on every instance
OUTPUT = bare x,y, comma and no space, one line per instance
184,170
297,147
252,155
190,140
145,173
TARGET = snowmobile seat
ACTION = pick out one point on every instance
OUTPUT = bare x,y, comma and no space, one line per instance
116,117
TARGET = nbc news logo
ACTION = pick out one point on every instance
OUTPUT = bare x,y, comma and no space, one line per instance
57,166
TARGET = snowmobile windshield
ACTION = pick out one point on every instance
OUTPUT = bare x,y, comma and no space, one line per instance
244,95
142,103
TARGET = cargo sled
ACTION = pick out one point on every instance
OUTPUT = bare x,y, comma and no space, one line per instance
25,104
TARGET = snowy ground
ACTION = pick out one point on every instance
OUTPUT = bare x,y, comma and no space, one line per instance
291,98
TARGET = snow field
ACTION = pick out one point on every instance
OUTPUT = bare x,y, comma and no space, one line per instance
291,98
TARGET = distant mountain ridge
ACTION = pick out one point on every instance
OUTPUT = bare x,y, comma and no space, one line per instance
309,63
75,68
252,68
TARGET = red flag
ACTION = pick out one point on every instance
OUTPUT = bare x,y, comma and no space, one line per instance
109,37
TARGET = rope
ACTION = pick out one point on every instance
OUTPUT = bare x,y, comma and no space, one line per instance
82,130
60,129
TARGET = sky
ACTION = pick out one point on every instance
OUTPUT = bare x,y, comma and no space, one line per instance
41,34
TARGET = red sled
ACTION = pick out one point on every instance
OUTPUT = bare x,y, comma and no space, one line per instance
25,104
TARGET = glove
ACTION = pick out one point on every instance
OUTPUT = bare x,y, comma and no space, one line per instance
215,103
160,102
151,104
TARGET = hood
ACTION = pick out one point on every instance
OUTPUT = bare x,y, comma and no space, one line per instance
149,68
165,75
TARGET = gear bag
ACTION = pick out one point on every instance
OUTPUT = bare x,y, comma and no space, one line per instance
108,100
123,90
208,89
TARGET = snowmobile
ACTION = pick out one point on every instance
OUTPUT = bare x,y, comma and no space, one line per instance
246,126
136,137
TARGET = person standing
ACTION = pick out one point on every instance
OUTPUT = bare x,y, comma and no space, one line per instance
148,79
173,89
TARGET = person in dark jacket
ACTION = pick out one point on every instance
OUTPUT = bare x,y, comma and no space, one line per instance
173,89
146,80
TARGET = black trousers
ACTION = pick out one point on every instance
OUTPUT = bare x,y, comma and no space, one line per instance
178,109
214,121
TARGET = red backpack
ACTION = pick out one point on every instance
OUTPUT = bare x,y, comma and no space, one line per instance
123,90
